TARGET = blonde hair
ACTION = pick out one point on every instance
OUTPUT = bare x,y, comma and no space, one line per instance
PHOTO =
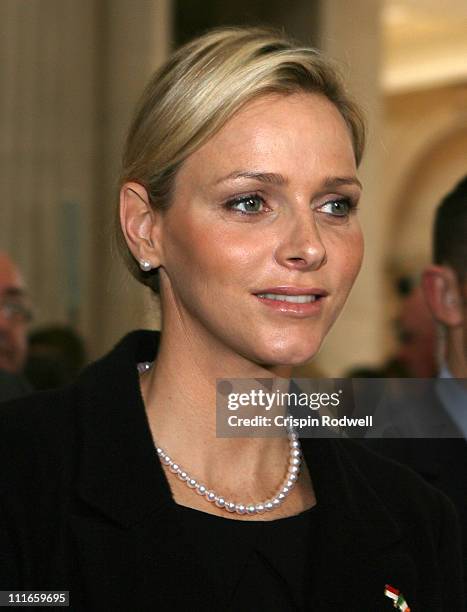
198,90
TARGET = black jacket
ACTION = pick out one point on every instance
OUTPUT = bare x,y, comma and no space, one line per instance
85,506
442,463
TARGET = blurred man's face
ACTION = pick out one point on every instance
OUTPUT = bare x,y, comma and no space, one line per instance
446,295
14,316
417,336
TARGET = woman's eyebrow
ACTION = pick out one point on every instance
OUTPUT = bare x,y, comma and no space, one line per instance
278,179
337,181
263,177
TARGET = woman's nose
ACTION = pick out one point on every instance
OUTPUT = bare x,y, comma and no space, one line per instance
301,246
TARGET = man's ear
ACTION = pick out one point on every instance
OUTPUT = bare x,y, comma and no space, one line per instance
442,293
140,224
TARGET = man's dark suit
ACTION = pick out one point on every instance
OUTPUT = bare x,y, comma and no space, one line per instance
85,506
12,386
441,461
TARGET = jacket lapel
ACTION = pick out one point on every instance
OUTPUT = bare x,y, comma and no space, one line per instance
119,472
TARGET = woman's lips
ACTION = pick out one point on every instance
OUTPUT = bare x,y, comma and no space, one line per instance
296,301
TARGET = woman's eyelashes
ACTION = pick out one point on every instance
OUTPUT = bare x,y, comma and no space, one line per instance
251,204
338,207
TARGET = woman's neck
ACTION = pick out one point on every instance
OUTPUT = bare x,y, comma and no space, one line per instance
180,398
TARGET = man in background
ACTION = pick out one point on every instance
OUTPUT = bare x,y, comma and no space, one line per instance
417,337
442,460
15,315
445,287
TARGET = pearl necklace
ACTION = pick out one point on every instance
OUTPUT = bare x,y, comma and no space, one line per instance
293,470
295,459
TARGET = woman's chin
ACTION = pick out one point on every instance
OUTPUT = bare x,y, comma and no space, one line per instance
291,354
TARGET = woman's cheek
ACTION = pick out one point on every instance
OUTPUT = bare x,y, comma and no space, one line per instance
351,250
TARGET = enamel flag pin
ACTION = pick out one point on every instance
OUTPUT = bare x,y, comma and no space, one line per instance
397,598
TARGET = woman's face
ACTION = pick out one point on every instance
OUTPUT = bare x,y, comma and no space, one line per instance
261,244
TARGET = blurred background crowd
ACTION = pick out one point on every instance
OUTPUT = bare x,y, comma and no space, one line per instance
71,72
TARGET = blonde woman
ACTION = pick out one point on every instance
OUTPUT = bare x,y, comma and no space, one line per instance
238,202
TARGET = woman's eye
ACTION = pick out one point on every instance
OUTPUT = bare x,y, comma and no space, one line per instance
337,208
250,204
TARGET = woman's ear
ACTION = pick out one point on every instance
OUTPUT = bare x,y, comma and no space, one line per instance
140,224
442,293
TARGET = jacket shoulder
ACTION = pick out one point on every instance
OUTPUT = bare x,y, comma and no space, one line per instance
31,414
385,474
37,440
404,493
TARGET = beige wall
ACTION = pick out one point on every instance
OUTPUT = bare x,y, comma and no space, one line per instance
425,154
71,73
47,146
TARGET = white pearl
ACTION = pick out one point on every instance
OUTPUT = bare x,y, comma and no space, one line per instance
201,489
293,477
269,506
290,484
182,475
276,502
285,490
191,482
293,469
174,468
166,459
220,502
211,496
240,509
294,461
281,497
251,509
260,508
159,451
295,452
295,444
230,506
145,265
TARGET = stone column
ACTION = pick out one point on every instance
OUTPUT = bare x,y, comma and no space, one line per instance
46,148
70,73
134,40
350,32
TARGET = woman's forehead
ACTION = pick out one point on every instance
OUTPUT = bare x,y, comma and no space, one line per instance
277,136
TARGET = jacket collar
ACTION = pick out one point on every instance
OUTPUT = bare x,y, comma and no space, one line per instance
121,476
120,473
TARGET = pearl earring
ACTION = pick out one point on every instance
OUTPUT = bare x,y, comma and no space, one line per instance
145,265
